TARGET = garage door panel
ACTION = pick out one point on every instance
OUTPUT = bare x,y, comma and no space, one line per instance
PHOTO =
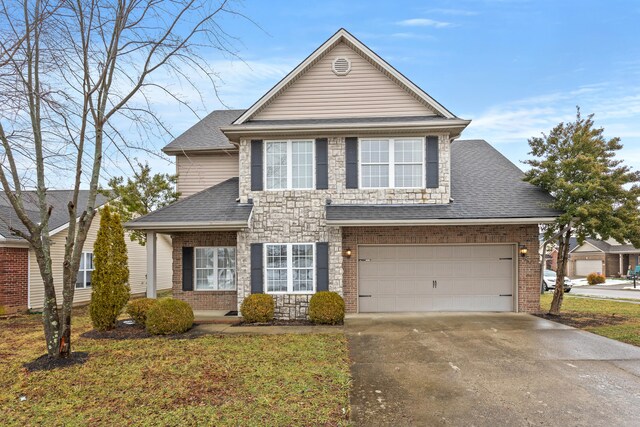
584,267
469,278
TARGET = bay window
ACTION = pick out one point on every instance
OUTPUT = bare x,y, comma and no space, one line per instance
289,164
290,268
392,163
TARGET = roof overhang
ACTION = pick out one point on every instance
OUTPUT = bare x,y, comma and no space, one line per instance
13,243
443,221
187,226
201,150
234,132
596,249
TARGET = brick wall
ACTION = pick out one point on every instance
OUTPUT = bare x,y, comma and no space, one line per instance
202,300
14,279
528,267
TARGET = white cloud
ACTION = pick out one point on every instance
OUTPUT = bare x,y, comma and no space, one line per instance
424,22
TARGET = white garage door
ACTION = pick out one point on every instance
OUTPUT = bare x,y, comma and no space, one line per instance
436,278
584,267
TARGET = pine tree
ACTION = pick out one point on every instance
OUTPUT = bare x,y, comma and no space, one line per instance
110,278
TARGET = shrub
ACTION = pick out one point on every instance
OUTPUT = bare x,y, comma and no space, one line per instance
595,278
257,308
139,308
3,310
327,308
169,316
110,277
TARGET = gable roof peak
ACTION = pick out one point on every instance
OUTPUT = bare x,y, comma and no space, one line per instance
342,35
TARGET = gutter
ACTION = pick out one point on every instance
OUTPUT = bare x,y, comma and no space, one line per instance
180,226
415,222
241,130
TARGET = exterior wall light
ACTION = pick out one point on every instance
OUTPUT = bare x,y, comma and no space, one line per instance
347,253
523,250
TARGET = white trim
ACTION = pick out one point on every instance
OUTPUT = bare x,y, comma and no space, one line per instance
343,35
392,163
215,268
29,279
289,143
289,269
399,222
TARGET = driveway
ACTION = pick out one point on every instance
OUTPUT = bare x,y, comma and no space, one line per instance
488,369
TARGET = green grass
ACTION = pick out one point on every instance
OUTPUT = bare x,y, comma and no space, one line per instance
277,380
612,319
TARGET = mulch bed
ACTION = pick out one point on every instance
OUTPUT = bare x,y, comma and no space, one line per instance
45,363
123,331
297,322
584,320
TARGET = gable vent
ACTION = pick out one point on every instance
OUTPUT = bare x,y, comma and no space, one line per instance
341,66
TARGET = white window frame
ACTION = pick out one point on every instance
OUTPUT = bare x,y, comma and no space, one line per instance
392,163
289,269
215,269
84,271
289,143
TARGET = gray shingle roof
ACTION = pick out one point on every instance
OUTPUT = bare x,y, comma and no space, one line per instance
612,249
59,214
484,184
206,134
215,205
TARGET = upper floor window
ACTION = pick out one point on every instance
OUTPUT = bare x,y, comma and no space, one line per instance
289,164
83,279
392,163
215,268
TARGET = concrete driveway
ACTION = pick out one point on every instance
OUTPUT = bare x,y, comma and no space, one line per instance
488,369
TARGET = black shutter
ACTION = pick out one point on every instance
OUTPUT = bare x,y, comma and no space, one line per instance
351,162
256,165
322,266
187,268
322,164
256,268
432,162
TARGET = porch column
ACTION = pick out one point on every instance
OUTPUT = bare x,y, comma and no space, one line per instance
622,273
151,264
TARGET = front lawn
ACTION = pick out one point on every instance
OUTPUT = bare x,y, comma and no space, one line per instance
612,319
211,380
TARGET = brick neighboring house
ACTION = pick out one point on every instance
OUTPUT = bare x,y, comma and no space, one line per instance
21,286
607,257
348,177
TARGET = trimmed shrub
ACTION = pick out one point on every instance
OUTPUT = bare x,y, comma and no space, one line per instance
169,316
595,278
327,308
139,308
257,308
110,277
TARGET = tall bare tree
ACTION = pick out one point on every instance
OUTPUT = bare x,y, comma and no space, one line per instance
72,74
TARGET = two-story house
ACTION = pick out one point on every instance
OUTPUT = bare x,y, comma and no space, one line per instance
348,177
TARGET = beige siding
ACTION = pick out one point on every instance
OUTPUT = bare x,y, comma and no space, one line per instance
364,92
201,171
137,267
587,247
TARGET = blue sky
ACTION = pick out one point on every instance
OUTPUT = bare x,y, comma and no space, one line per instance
515,68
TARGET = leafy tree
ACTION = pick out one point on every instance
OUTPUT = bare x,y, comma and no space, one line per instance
597,194
110,277
142,194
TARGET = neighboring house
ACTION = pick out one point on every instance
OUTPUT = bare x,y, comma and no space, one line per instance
607,257
551,256
21,285
346,177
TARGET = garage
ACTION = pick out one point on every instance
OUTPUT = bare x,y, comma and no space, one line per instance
584,267
393,278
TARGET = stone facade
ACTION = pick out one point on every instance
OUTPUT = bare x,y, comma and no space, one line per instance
298,216
528,267
202,300
14,279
